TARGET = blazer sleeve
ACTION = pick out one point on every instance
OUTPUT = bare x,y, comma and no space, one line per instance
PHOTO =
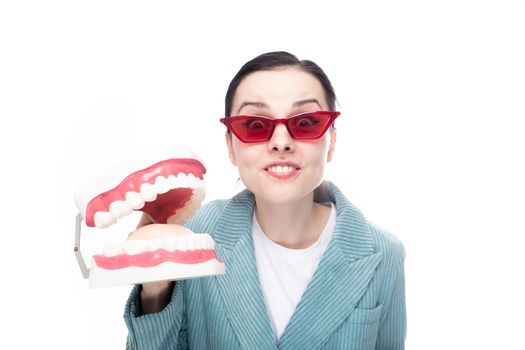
167,329
392,329
163,330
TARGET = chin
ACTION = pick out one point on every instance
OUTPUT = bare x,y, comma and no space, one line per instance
281,194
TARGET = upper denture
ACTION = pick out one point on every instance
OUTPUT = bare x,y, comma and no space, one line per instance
173,182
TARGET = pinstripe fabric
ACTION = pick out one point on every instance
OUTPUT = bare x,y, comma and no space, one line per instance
355,299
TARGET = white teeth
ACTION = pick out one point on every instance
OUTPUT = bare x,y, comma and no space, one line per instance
198,184
172,181
191,242
119,209
281,169
133,247
148,192
104,219
134,200
195,243
154,244
203,242
182,180
161,185
207,241
210,243
182,243
113,248
169,243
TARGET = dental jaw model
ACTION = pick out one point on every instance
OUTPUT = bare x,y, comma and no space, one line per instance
170,192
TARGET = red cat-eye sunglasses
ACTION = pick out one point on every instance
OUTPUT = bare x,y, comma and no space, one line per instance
304,126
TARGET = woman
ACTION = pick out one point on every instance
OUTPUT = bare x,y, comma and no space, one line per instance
304,269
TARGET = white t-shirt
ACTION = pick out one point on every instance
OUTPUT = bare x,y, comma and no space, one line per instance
284,273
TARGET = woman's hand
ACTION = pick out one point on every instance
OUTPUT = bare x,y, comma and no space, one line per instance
154,295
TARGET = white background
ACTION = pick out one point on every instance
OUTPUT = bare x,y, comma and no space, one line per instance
430,143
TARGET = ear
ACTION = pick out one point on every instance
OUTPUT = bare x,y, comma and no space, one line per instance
331,148
231,152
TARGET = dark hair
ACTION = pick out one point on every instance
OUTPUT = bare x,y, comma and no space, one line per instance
283,59
275,60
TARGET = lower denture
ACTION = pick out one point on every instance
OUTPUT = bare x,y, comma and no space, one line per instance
149,259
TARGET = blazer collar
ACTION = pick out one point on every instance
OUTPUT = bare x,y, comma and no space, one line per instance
354,244
338,283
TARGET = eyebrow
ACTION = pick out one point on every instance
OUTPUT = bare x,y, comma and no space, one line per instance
265,106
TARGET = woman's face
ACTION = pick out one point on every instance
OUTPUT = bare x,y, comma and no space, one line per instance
280,94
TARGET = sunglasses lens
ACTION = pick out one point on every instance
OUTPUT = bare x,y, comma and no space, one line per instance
309,126
258,129
251,129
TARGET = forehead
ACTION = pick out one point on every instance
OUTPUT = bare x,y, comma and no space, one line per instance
278,87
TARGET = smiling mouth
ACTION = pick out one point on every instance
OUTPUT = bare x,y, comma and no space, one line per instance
282,172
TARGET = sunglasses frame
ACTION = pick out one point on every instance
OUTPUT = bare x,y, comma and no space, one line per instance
228,121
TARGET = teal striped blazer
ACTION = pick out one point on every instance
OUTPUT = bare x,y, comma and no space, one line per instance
355,300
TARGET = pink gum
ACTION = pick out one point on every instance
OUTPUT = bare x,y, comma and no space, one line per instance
150,259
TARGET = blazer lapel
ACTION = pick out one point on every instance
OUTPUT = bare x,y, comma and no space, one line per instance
239,287
340,280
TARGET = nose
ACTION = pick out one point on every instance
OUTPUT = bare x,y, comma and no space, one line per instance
281,141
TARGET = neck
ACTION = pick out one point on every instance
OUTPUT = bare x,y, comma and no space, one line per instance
292,225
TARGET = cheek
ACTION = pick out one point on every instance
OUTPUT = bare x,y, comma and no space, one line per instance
319,150
317,158
246,155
